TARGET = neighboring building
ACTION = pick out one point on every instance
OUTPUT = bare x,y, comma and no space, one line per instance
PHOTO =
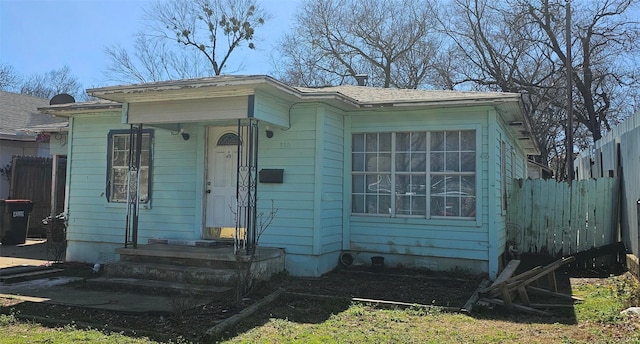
536,170
17,112
418,177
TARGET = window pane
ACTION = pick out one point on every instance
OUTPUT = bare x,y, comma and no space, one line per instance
453,206
452,186
120,176
145,142
144,185
357,204
403,184
144,158
437,185
385,142
384,205
119,158
437,141
403,142
468,140
403,162
468,207
468,162
358,183
418,162
358,142
468,185
453,162
452,140
419,142
358,161
437,206
372,142
384,162
121,142
437,162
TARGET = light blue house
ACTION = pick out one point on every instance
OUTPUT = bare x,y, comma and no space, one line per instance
418,177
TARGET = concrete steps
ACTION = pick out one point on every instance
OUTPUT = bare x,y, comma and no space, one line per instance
173,273
186,269
26,273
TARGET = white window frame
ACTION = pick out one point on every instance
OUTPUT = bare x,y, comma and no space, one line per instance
386,177
121,165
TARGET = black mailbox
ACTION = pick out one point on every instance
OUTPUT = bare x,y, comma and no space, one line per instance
271,175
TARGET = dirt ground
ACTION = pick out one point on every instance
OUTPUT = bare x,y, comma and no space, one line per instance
415,287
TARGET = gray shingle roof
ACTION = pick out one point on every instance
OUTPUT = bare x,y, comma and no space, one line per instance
19,111
376,95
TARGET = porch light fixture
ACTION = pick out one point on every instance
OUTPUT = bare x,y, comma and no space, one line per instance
269,132
185,136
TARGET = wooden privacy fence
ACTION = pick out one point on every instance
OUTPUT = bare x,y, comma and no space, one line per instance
31,179
552,218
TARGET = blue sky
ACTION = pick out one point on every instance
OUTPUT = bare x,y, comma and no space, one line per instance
37,36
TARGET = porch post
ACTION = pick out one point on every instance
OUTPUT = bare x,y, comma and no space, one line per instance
246,187
133,186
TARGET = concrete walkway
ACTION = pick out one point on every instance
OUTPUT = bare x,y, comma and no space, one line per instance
63,291
32,252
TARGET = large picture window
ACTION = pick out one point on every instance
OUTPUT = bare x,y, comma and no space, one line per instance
118,165
414,174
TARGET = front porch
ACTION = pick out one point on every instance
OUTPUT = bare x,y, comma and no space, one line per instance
193,268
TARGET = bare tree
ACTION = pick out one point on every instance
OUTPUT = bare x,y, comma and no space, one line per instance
207,32
519,46
333,40
604,37
51,83
153,60
9,78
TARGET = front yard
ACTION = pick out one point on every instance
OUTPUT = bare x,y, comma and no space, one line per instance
321,310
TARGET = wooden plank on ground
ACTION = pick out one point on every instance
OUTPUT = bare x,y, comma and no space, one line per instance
555,294
508,271
468,307
221,326
515,306
494,290
549,269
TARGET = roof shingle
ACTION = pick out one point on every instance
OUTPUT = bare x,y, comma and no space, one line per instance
19,111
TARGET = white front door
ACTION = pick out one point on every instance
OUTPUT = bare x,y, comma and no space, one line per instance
222,158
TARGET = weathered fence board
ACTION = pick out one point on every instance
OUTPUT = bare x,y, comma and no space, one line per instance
555,219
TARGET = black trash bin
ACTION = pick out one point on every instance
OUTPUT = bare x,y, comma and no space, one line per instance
15,219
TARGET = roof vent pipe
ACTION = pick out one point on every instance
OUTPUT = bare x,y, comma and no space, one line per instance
361,79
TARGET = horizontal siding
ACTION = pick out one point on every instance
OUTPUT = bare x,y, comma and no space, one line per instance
332,183
271,110
294,151
470,243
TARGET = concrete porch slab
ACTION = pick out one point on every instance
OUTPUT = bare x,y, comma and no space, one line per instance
100,299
